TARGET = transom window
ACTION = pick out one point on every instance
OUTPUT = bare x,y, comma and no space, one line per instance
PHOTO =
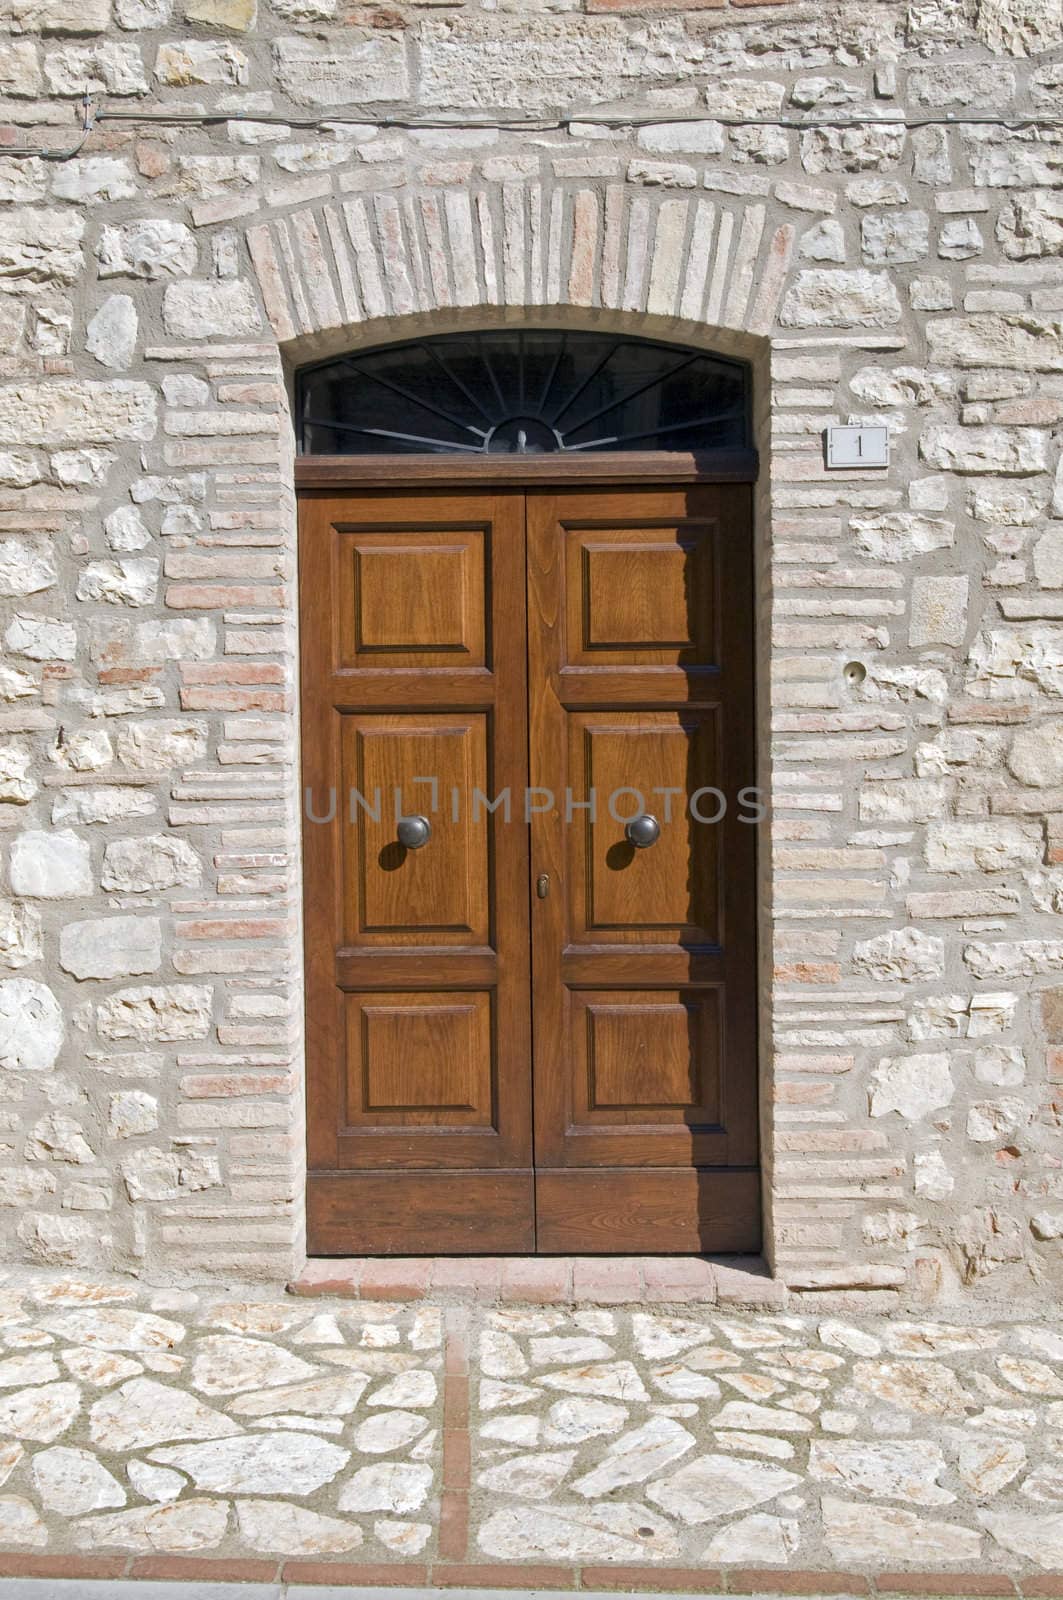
522,392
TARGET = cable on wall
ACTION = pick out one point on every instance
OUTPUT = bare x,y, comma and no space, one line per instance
517,123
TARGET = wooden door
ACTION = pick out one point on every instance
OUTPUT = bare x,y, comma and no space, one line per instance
641,695
418,1045
539,645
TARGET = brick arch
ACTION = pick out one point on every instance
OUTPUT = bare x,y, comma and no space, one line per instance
687,261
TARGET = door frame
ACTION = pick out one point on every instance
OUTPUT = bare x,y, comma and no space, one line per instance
630,469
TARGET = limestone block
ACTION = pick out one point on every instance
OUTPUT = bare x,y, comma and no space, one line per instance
889,238
193,61
962,83
166,1012
744,97
68,411
236,16
824,241
18,469
960,239
899,535
151,1174
56,16
871,147
989,1121
22,179
983,846
1031,225
136,14
20,934
912,1086
95,178
112,333
50,866
1014,158
198,310
106,68
103,805
58,1137
986,449
1004,660
1019,27
20,73
939,610
40,246
163,744
903,954
31,1026
41,638
61,1242
149,864
153,247
84,750
111,947
153,641
673,138
822,298
26,567
82,466
932,1177
125,529
133,582
131,1112
1036,756
902,800
71,1482
998,339
17,787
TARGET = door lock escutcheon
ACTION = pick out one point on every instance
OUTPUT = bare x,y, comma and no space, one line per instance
542,885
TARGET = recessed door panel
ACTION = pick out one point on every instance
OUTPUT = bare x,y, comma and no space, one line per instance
644,763
642,593
420,1060
410,598
394,766
647,1056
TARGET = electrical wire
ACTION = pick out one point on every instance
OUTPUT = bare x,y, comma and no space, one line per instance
505,122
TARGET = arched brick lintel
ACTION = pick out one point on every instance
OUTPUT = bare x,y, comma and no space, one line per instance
687,266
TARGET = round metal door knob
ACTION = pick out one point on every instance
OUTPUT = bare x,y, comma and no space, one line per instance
642,831
413,832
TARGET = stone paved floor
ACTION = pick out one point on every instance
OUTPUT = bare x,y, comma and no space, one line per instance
233,1426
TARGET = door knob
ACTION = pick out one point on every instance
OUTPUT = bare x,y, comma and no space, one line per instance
413,832
642,831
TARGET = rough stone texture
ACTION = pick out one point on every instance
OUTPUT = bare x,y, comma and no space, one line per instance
911,629
880,1444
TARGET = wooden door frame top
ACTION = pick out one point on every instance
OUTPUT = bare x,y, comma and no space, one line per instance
516,471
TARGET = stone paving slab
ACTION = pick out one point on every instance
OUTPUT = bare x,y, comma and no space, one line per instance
181,1436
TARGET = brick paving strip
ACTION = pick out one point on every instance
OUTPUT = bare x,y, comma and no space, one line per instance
424,1426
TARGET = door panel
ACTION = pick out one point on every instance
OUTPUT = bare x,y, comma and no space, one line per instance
663,894
640,682
437,895
414,669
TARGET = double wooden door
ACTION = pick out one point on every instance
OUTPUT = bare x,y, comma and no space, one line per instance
529,1028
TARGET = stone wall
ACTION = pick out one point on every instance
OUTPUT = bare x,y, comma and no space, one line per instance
875,244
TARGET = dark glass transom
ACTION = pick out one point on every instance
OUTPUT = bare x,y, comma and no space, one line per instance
522,392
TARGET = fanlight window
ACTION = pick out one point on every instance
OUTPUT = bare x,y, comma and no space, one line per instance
522,392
